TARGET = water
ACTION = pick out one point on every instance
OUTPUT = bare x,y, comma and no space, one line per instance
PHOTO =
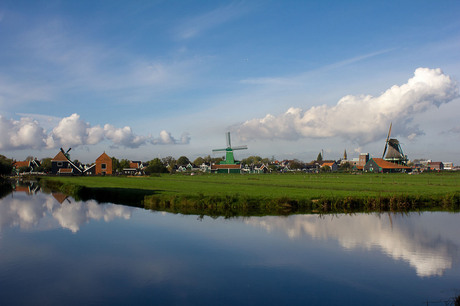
57,251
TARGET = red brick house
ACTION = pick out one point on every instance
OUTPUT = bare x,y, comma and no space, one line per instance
104,165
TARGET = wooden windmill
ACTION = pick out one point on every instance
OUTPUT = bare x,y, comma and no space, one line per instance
229,158
395,153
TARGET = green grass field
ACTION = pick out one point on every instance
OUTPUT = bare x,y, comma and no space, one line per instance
294,186
230,195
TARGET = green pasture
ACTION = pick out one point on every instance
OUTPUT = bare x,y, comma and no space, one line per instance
293,186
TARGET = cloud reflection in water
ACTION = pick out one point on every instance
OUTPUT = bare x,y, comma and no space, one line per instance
34,212
417,239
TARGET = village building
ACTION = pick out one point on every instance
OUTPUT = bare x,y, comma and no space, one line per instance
379,165
32,165
331,164
61,165
135,168
104,165
436,166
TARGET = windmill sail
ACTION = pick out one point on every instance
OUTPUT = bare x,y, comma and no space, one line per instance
386,142
229,158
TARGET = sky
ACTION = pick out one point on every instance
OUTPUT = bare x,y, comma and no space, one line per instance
289,79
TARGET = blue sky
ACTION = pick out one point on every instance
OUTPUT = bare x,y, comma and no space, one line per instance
146,79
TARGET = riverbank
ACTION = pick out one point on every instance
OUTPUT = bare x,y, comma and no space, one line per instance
229,195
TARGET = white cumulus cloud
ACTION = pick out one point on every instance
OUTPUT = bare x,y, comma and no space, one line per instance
72,131
166,138
21,134
361,119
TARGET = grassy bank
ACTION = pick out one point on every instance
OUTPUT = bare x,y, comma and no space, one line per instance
274,193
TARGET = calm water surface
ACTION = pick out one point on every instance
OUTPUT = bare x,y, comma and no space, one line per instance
57,251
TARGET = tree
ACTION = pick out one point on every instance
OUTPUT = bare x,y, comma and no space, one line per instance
124,163
252,160
325,169
320,157
156,166
45,164
345,166
6,165
296,164
116,165
24,169
183,161
198,161
169,160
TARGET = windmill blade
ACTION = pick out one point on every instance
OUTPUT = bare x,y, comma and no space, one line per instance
69,150
229,144
218,150
240,147
389,132
386,142
385,150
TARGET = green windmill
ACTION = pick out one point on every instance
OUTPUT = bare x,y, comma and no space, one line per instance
229,158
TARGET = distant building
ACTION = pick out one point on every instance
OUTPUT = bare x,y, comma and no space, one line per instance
104,165
331,164
230,168
448,165
436,166
61,165
363,159
32,164
379,165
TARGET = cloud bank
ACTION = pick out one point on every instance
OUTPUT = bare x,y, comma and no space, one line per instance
361,119
72,131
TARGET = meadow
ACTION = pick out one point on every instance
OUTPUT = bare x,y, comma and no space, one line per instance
270,193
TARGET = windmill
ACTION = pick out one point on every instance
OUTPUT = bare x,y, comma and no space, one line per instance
66,153
229,158
395,154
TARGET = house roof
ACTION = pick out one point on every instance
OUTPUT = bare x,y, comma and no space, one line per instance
20,164
103,156
330,164
226,167
134,165
60,157
387,165
60,197
66,170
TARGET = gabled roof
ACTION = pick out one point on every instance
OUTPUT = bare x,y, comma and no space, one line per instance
20,164
330,164
60,157
103,156
387,165
134,165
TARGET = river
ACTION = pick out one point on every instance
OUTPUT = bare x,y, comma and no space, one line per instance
58,251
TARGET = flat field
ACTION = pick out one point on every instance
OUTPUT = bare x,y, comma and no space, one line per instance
292,186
